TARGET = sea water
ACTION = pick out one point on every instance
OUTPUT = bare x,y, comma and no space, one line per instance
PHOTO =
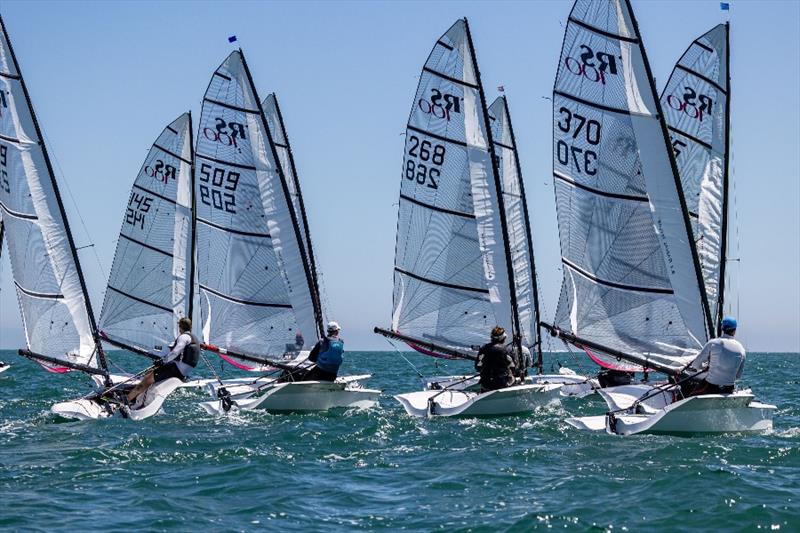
381,469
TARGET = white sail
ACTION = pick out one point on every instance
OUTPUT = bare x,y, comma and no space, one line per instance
280,140
519,237
255,288
451,282
695,104
52,296
150,285
631,279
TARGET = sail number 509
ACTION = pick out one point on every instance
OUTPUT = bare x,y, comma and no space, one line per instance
218,178
432,155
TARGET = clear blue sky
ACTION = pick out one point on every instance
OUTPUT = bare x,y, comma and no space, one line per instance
105,78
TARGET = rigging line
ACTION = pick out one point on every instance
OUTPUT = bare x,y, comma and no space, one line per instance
404,358
65,182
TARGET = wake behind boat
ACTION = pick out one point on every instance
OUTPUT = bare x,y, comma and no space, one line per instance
259,290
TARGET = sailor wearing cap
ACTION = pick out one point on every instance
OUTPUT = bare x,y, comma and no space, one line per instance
720,363
327,355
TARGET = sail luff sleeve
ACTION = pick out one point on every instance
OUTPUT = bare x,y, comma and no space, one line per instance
51,290
442,290
629,277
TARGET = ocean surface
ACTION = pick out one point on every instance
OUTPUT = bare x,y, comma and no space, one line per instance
381,469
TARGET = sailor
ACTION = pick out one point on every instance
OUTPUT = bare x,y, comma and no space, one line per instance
178,363
495,362
523,361
326,356
719,364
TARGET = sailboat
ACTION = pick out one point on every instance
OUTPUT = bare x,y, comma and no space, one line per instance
151,284
57,316
257,279
463,259
633,287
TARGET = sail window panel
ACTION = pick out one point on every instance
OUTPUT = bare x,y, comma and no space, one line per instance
149,279
255,330
30,261
441,314
612,238
241,267
627,321
596,148
430,247
129,322
16,121
50,329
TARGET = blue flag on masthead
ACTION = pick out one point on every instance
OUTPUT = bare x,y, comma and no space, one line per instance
724,6
232,39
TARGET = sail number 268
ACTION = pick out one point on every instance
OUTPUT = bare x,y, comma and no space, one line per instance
425,167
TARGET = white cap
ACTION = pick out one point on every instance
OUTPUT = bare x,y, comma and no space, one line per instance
333,326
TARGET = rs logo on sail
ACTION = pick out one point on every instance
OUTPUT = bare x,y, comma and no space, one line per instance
225,133
160,171
440,105
692,104
592,65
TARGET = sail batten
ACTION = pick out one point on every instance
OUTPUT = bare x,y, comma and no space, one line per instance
51,291
631,277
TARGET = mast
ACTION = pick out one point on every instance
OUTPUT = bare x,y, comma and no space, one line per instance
725,183
529,239
676,175
311,260
285,188
515,327
193,244
101,358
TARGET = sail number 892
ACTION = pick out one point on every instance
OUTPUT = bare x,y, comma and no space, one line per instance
425,168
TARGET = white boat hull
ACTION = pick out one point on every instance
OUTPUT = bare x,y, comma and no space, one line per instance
4,367
704,414
89,409
296,396
572,384
453,402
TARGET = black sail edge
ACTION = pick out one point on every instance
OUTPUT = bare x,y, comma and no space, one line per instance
285,188
536,312
193,242
516,335
676,176
725,184
296,180
101,358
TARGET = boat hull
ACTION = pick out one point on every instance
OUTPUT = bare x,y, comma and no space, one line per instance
705,414
572,385
297,396
453,402
91,409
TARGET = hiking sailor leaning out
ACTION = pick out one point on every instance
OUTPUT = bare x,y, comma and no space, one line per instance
178,363
719,364
327,356
495,362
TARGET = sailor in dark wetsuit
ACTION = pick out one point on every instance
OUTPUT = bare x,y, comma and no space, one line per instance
178,363
327,356
495,363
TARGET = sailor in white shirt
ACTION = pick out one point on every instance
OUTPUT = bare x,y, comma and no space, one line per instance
720,363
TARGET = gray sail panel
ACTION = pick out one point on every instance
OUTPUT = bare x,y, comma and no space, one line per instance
449,276
55,312
629,282
148,287
254,296
516,219
695,106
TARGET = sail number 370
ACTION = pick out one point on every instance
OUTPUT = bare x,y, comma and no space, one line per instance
584,160
425,168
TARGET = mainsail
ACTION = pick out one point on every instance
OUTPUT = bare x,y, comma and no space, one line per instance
452,275
632,283
280,140
151,281
56,311
256,291
696,107
519,230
